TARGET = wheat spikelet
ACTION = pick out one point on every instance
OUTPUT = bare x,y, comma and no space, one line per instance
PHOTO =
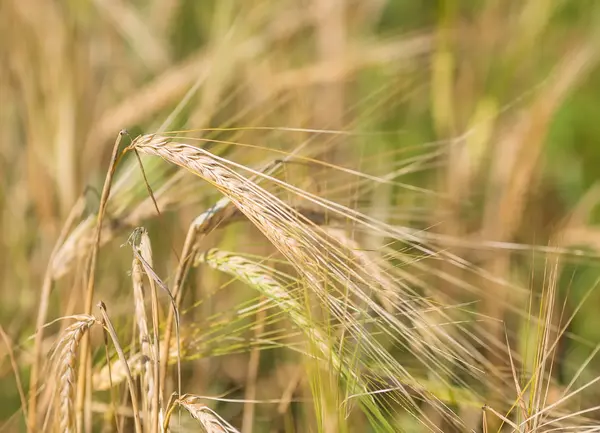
66,358
230,183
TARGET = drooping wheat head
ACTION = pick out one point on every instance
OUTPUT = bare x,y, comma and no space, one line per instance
331,271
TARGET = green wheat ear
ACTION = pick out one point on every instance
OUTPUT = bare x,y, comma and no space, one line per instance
268,282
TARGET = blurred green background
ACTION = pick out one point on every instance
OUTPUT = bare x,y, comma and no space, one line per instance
506,91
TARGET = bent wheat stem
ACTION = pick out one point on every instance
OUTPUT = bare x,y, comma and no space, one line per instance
89,296
113,335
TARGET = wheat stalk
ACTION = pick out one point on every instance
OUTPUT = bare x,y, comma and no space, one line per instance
91,279
140,241
132,392
147,382
322,262
200,224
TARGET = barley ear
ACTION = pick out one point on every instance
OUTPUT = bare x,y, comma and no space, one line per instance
68,347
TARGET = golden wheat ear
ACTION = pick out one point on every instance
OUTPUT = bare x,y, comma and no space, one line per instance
336,278
210,421
66,360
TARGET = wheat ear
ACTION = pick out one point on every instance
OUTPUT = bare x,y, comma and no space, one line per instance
67,359
328,268
260,278
210,421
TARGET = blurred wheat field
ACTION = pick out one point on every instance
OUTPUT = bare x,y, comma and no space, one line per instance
319,216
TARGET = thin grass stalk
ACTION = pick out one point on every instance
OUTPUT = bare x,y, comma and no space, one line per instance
113,396
143,252
198,226
89,297
252,376
17,373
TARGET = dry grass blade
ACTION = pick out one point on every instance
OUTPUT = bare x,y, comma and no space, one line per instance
154,392
17,374
113,335
144,254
